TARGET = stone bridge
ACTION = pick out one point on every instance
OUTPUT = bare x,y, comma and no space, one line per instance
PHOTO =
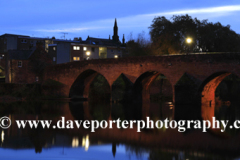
205,71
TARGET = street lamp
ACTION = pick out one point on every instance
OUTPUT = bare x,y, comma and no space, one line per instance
189,41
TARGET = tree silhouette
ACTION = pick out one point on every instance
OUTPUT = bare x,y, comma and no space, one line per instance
170,36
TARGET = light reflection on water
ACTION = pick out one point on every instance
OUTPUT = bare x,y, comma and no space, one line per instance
94,152
71,144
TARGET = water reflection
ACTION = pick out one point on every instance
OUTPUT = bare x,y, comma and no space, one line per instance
2,136
149,144
85,142
75,142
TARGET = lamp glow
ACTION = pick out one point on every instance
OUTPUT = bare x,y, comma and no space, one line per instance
189,40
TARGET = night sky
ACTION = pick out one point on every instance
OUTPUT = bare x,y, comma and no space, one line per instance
47,18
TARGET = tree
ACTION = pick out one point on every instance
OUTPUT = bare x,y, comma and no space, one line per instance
138,47
169,37
218,38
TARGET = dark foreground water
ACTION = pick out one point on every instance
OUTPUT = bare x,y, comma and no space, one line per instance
73,144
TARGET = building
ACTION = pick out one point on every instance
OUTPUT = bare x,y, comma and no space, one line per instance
21,56
21,42
63,51
25,66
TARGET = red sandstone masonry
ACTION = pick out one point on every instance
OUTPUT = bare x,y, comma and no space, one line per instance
173,67
199,66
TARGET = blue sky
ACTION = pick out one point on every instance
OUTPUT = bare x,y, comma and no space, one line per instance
47,18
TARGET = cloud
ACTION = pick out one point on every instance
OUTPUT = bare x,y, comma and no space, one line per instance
143,20
68,29
223,9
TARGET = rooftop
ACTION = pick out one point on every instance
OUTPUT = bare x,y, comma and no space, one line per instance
6,34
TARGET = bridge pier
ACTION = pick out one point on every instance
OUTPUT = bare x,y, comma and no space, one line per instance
87,82
146,84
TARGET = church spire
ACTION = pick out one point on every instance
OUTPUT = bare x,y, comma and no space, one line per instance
115,24
115,36
123,39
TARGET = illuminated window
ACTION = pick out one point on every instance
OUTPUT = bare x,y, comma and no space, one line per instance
19,63
76,58
37,79
54,59
76,48
54,48
116,56
88,53
84,48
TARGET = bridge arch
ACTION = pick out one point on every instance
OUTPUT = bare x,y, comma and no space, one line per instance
210,102
121,89
122,98
81,86
186,93
161,92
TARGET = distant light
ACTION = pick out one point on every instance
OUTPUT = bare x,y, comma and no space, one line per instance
88,53
75,142
85,142
116,56
76,58
189,40
84,48
76,47
2,136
